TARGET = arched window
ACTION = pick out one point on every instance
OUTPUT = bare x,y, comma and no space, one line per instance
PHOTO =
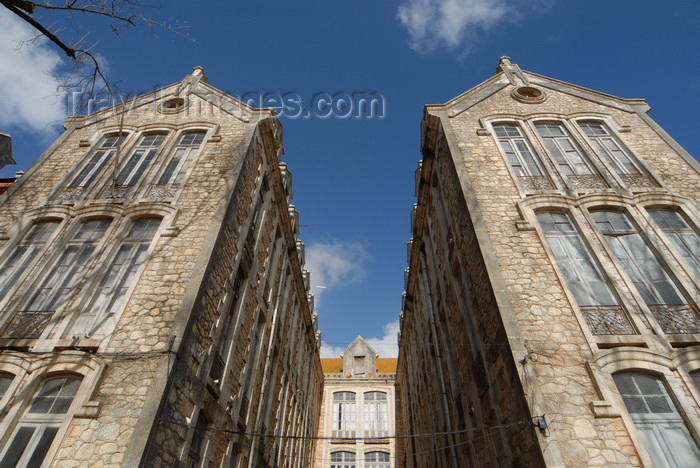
522,159
377,460
37,428
583,276
120,274
343,414
100,158
619,158
682,236
570,159
5,382
183,158
657,420
376,414
695,375
20,258
140,159
649,277
342,460
66,272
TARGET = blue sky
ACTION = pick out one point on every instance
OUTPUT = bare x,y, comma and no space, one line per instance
353,178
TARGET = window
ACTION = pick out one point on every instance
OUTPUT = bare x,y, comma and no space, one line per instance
141,158
657,420
695,375
5,381
37,428
682,236
518,151
183,158
583,276
97,162
120,274
67,270
377,460
637,259
568,156
376,414
200,434
343,414
22,255
342,460
620,159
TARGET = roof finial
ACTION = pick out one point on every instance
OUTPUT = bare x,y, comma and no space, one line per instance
512,72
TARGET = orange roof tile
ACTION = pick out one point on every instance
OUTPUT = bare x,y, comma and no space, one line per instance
386,365
335,365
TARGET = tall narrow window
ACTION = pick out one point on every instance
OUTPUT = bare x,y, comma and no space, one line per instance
342,460
663,431
568,156
63,277
110,294
37,428
5,381
343,414
376,414
377,460
623,162
682,236
197,445
141,158
645,271
583,276
521,158
183,158
19,259
105,151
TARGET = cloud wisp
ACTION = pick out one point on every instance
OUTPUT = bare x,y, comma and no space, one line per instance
450,24
28,86
335,263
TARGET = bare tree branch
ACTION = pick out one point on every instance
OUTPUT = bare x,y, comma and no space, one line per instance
86,72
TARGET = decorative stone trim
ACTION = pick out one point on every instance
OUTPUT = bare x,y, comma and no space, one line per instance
84,144
528,95
90,410
524,225
482,132
603,409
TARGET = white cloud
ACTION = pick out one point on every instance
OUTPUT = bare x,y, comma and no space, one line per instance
28,88
334,264
386,345
453,24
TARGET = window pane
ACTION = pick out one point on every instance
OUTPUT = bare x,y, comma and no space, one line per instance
182,159
55,395
518,151
42,447
683,237
16,449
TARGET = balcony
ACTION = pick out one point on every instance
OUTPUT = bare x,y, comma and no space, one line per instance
587,181
162,191
69,194
639,180
536,183
677,319
608,320
27,324
117,192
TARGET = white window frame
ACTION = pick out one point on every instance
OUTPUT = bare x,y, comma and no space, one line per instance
372,462
562,242
518,144
188,153
682,237
90,246
98,316
141,158
564,158
98,159
656,427
376,413
602,142
344,413
343,459
632,251
41,421
10,275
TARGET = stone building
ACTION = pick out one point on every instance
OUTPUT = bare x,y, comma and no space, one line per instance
154,306
551,309
357,421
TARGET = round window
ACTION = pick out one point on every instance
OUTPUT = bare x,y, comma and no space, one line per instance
528,94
